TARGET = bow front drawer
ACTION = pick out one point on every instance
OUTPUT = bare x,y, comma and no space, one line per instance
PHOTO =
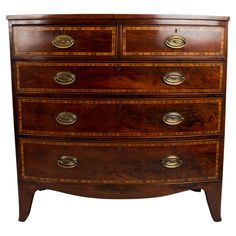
39,77
112,162
173,41
120,117
62,41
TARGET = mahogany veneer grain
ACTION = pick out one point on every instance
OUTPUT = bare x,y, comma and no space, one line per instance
119,97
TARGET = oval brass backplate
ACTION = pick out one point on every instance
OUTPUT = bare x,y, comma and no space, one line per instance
66,118
175,41
67,162
63,41
171,162
64,78
173,78
172,118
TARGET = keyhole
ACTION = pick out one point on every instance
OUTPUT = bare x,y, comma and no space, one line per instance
176,31
120,105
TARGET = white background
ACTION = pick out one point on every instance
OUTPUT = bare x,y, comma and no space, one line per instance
58,214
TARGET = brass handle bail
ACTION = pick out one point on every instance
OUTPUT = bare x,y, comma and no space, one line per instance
66,118
63,41
175,41
64,78
171,162
67,162
173,78
172,118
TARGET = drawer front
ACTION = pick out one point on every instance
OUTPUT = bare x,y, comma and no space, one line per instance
162,78
59,41
159,162
173,40
117,117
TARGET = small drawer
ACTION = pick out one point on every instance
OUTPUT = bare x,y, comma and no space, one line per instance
173,41
148,78
119,117
64,40
120,162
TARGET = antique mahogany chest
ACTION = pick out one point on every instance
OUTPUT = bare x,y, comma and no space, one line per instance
119,106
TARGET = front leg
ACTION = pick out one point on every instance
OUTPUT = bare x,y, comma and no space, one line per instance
26,195
213,196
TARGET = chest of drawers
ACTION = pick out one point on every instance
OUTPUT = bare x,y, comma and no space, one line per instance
119,106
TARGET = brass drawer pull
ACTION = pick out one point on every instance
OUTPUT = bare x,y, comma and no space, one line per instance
67,162
175,41
171,162
63,41
64,78
172,118
173,78
66,118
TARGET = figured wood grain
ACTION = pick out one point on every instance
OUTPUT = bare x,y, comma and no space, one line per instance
88,40
120,77
116,117
150,40
120,162
119,62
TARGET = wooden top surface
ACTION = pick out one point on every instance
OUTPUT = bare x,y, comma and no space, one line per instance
115,16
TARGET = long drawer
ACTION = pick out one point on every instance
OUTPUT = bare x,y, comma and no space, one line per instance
120,117
173,41
120,162
64,40
156,78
